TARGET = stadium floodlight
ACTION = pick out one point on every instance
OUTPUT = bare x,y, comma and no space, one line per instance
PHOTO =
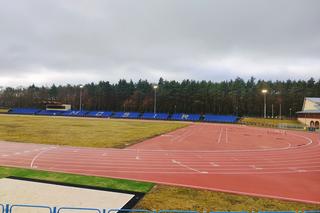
80,104
155,87
264,91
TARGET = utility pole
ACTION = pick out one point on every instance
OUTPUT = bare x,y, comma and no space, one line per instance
264,91
155,87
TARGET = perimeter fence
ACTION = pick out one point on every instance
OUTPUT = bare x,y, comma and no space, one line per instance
20,208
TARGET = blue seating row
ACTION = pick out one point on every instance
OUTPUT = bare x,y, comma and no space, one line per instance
220,118
24,111
131,115
185,117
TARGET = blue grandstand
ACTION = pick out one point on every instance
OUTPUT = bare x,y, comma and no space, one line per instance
24,111
133,115
185,117
156,116
220,118
99,114
49,112
75,113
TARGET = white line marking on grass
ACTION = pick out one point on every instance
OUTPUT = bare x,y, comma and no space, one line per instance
38,155
188,167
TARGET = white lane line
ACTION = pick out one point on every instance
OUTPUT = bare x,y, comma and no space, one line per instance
226,135
254,167
4,155
17,153
188,167
219,140
38,155
214,164
137,155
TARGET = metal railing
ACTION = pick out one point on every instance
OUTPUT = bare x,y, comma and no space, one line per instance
8,208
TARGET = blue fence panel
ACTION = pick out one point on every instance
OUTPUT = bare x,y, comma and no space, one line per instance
12,207
60,210
313,211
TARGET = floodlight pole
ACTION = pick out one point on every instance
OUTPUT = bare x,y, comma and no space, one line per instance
80,104
264,91
155,87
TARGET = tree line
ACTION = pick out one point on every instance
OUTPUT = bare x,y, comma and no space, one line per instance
237,97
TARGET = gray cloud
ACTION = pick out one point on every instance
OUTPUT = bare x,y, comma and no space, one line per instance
78,41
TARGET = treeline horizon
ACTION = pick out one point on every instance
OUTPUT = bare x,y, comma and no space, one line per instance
236,97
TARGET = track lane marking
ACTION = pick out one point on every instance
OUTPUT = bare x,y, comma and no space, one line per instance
38,155
187,167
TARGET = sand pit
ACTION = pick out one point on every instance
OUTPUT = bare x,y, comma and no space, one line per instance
15,191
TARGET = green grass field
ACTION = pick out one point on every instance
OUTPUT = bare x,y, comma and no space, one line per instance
80,131
180,198
270,121
77,179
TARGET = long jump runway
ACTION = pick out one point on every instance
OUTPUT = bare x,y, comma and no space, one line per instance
229,158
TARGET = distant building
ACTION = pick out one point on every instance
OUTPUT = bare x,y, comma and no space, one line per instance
310,114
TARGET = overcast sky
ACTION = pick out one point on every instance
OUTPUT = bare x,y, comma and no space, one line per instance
76,41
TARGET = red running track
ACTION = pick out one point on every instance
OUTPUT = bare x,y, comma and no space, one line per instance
229,158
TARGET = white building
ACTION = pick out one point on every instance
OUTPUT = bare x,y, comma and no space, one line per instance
310,114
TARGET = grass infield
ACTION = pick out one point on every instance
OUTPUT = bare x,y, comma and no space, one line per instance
111,183
270,121
84,132
180,198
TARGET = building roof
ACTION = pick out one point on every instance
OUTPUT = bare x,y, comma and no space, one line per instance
311,104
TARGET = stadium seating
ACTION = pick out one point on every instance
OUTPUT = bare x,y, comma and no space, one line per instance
24,111
75,113
99,114
133,115
185,117
49,112
220,118
156,116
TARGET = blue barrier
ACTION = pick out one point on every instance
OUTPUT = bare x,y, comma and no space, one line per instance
27,206
10,209
80,209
